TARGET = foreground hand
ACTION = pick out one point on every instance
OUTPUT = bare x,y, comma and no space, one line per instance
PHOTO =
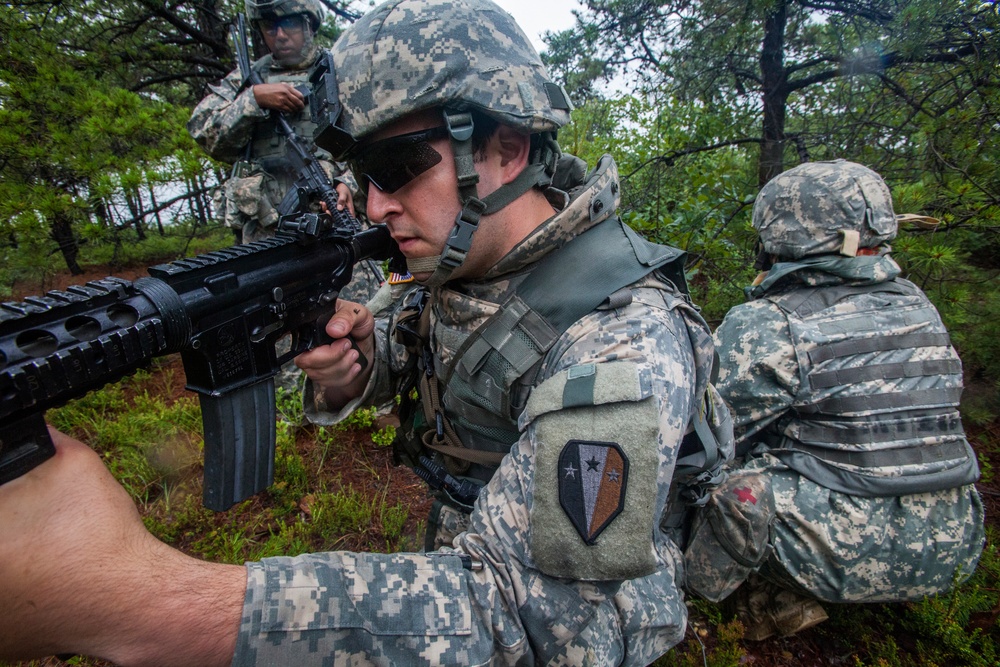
335,367
79,573
279,96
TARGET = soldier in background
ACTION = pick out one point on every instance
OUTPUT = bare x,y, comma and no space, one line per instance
854,478
568,429
234,124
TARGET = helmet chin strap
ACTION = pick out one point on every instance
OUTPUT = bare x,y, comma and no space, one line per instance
456,249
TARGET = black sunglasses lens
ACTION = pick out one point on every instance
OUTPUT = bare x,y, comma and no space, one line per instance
286,23
392,163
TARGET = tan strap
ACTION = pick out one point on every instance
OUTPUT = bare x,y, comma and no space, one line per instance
458,456
463,453
918,221
430,394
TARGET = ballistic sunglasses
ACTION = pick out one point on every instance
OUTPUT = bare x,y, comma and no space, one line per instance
288,24
391,163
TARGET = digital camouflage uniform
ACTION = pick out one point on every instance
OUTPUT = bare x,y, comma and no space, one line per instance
622,606
844,392
522,585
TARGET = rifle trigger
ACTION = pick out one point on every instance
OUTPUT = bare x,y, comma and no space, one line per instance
260,333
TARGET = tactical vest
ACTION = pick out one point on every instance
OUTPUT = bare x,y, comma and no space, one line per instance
877,409
268,145
474,422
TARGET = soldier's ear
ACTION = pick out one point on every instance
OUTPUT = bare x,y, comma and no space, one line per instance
514,149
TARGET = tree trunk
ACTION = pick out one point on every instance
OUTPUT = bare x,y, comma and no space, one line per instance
134,202
155,209
775,95
99,208
62,233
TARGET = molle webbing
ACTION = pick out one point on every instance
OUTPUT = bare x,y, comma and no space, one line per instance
936,453
504,350
876,413
880,344
903,401
893,371
858,433
805,302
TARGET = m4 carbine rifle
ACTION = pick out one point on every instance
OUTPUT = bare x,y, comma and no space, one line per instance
223,311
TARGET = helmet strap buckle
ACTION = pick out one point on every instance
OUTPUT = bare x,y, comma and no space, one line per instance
460,125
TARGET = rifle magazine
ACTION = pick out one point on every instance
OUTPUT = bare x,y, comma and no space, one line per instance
239,444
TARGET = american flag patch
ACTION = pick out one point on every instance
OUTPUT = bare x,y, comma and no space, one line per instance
400,278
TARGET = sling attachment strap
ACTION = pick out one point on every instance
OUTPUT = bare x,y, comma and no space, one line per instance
442,437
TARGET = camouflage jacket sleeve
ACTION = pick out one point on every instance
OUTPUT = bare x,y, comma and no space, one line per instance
758,374
223,121
503,595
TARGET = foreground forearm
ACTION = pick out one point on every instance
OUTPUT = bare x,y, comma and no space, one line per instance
157,607
189,615
79,573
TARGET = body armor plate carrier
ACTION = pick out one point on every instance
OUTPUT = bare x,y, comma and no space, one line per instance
876,413
488,383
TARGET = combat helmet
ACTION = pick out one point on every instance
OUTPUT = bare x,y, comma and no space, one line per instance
466,57
266,9
824,207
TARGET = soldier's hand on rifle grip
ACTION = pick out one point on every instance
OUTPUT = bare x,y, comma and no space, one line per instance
345,199
337,368
279,96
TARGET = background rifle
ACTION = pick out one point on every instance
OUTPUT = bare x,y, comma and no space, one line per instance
223,311
312,182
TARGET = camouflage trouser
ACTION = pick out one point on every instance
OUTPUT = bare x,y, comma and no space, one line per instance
290,378
245,203
842,548
443,525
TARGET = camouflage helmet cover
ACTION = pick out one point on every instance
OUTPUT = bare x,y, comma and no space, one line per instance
808,210
259,9
409,55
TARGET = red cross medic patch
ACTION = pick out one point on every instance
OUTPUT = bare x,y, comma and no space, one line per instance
592,481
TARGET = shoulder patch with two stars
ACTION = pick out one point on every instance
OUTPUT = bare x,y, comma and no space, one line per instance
595,498
593,477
